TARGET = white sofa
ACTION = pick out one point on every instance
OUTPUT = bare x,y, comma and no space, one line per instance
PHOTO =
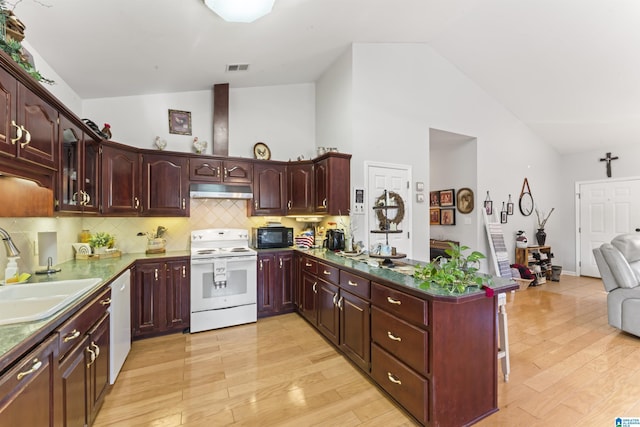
619,265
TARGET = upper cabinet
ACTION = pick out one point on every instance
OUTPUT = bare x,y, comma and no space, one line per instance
120,181
269,188
332,184
28,124
300,188
78,176
215,170
165,185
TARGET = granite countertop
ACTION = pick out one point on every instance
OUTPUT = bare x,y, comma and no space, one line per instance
107,269
403,277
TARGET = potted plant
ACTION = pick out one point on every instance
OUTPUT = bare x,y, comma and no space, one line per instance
100,242
454,274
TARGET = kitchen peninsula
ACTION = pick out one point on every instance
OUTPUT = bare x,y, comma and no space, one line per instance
433,352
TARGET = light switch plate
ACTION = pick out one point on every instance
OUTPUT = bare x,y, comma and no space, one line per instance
358,201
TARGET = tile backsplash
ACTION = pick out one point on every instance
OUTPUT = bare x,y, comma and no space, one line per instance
205,213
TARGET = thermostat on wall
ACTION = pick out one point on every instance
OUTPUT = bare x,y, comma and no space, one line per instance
358,201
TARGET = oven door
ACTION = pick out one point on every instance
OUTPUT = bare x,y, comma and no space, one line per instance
211,291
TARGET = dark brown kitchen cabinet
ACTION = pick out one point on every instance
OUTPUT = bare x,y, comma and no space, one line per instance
275,283
328,311
165,185
331,174
28,124
300,188
84,361
230,171
78,177
160,297
120,181
269,188
355,332
29,390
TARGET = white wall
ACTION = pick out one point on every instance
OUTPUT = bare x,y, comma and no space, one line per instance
281,116
400,91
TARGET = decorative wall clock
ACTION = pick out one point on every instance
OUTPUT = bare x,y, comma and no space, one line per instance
526,199
261,151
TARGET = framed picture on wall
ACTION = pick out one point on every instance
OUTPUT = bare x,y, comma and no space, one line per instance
180,122
448,216
434,216
434,198
447,198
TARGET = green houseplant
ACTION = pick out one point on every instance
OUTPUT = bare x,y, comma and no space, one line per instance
454,274
101,240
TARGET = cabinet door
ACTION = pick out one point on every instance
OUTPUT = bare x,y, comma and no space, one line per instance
321,184
120,181
98,349
285,282
39,143
177,296
145,301
69,196
205,170
328,312
309,298
266,284
73,373
299,189
90,166
29,390
237,172
268,190
165,185
355,333
8,92
333,188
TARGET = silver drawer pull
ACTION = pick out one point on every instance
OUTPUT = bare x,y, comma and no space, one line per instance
393,378
393,337
71,335
326,273
36,365
393,301
352,283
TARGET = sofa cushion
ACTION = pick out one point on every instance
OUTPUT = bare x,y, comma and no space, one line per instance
629,245
620,268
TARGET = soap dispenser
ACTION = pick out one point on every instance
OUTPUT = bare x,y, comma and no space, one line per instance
12,268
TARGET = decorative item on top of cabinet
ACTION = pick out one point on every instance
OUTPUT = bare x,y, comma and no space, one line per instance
261,151
160,144
199,145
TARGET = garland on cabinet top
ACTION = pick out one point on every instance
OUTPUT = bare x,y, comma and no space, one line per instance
394,200
11,27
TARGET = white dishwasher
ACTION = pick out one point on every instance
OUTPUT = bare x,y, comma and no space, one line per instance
120,323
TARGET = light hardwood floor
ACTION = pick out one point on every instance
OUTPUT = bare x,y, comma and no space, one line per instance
568,368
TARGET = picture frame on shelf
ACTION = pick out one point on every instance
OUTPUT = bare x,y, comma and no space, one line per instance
448,216
434,216
434,198
180,122
447,197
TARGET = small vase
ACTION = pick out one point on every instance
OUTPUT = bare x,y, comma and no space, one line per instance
541,236
100,250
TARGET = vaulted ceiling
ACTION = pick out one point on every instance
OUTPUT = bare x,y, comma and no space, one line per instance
569,69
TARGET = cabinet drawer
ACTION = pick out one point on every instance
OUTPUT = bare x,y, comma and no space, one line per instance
409,308
399,338
328,273
309,265
72,331
355,284
405,385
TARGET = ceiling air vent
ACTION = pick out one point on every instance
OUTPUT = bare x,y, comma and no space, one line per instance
237,67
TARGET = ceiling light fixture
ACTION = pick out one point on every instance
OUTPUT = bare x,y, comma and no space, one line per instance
240,10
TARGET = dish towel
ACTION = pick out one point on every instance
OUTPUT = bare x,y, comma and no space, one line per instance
220,272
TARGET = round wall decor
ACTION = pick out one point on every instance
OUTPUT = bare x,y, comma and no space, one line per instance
395,201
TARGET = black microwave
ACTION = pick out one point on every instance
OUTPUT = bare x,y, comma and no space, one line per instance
271,237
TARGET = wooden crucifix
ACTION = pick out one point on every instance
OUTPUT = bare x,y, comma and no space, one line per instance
608,159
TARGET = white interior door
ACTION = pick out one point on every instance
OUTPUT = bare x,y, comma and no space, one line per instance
607,209
395,178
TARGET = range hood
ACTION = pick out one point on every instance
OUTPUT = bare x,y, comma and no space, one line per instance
220,191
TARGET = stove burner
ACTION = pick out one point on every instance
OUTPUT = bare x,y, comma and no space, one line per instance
239,250
206,251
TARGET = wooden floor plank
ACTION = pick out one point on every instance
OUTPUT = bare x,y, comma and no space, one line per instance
569,367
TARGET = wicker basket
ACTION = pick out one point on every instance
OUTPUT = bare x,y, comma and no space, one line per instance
523,283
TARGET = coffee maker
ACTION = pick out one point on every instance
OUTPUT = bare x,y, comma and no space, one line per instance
334,241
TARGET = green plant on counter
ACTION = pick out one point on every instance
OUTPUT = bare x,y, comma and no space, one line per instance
101,239
454,274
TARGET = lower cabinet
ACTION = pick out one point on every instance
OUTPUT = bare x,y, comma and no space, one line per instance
355,331
275,283
29,390
84,362
160,297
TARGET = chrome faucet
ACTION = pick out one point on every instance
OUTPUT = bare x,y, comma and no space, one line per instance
11,248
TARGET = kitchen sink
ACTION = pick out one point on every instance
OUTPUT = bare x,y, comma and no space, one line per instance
35,301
